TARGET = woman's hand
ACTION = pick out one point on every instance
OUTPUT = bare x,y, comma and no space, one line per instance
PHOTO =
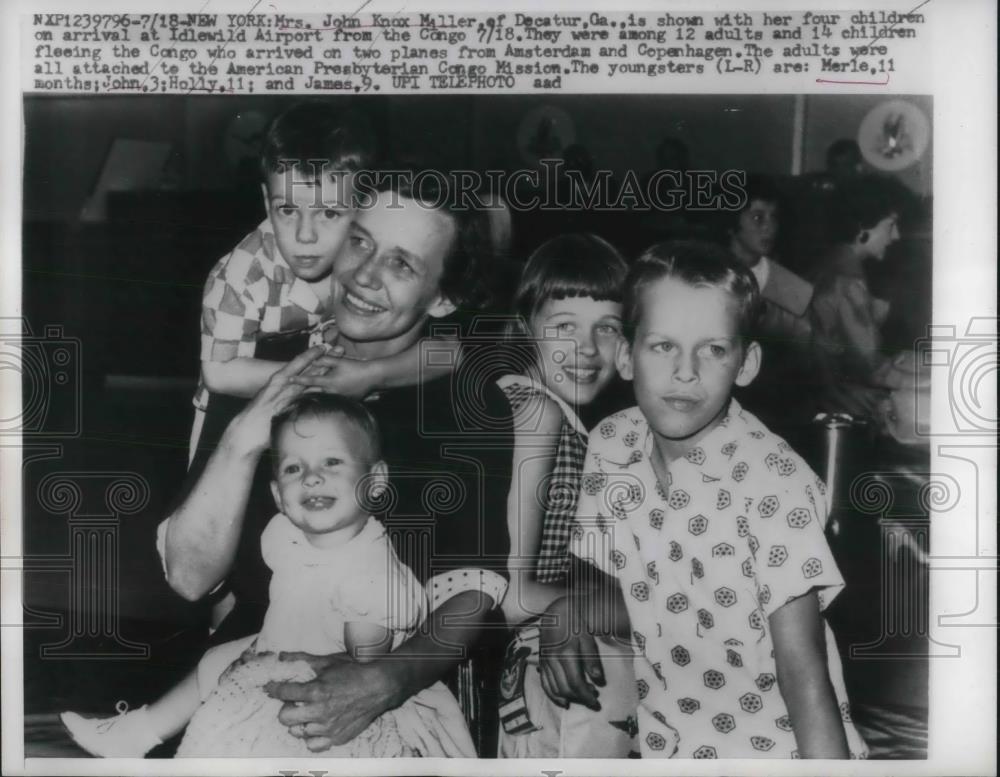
249,433
338,705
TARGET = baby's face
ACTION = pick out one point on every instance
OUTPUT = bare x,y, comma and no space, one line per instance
684,361
311,218
321,461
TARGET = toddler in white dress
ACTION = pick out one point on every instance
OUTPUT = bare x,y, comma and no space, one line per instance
337,586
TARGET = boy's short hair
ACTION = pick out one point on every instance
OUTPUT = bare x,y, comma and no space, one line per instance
315,134
697,263
320,405
576,264
470,275
863,202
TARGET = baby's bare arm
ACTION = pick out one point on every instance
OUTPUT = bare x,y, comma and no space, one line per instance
367,641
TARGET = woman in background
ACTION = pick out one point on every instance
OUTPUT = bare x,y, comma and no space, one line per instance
847,316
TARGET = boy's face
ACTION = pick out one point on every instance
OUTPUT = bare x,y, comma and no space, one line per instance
577,338
311,218
388,278
684,361
757,230
320,462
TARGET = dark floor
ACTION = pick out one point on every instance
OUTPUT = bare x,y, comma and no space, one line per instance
88,664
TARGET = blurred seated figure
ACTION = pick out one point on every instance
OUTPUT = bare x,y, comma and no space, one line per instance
884,556
753,235
784,329
813,197
847,318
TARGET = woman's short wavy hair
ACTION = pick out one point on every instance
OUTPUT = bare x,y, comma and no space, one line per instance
862,202
471,266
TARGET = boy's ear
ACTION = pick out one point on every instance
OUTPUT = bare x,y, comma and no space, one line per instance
443,307
267,199
277,496
378,479
751,364
623,359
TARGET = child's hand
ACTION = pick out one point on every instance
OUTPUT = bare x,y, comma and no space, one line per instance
569,663
335,373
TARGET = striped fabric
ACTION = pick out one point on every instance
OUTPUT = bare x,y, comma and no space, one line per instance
513,707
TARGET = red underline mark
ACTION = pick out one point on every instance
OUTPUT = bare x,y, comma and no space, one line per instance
863,83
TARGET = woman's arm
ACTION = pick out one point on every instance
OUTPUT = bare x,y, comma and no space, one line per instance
203,533
536,435
423,361
804,680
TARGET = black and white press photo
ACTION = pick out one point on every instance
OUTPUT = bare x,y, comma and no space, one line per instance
475,385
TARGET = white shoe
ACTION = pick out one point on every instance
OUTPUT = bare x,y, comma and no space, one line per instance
127,735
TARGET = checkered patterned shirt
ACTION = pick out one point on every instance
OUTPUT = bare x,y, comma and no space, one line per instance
563,486
252,292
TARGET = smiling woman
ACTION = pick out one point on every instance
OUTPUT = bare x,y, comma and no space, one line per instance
387,280
405,263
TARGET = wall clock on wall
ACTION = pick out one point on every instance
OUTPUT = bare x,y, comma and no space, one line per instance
894,135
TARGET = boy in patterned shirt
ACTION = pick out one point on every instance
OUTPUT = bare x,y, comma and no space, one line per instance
706,532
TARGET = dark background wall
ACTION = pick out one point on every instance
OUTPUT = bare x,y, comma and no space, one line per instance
131,279
67,138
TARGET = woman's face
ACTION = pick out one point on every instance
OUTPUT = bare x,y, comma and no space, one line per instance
881,236
387,280
756,231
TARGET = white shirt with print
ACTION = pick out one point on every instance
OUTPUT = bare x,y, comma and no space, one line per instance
703,560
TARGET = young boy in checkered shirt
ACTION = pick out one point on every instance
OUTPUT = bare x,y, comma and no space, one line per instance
279,278
703,537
